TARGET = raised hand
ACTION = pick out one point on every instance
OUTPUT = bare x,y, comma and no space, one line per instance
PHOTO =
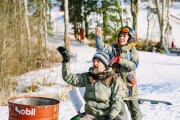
63,51
98,31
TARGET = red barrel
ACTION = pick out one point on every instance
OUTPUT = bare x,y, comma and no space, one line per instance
33,108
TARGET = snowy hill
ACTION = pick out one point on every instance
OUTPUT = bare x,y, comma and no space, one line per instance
158,78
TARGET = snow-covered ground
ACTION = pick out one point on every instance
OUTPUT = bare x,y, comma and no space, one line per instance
158,76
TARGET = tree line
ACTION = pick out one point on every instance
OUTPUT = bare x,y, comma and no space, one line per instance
24,25
23,47
113,16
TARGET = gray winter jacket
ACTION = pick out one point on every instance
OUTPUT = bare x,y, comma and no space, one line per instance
103,95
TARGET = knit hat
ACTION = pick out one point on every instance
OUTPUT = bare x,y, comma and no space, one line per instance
103,57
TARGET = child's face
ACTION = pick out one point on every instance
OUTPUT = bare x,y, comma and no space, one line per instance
123,38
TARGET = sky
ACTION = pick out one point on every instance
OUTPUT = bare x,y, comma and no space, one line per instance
158,77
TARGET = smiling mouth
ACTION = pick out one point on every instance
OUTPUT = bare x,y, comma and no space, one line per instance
121,41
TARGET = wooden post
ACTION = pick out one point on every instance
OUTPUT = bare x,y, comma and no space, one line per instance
69,50
82,33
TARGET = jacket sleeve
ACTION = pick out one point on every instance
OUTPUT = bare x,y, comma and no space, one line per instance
101,46
116,100
77,80
133,63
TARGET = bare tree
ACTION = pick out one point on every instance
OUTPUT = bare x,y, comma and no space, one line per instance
121,18
40,26
45,24
23,40
134,12
148,20
66,19
163,22
3,41
27,26
168,29
161,19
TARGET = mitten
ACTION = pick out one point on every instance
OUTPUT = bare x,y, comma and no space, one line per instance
63,51
116,59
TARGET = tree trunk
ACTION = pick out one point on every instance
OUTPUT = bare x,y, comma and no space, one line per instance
168,29
66,20
158,13
148,19
20,41
134,12
40,26
49,18
163,23
3,43
27,26
45,24
86,22
86,27
104,20
121,14
161,20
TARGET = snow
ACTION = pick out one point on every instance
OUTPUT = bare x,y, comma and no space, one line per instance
158,77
